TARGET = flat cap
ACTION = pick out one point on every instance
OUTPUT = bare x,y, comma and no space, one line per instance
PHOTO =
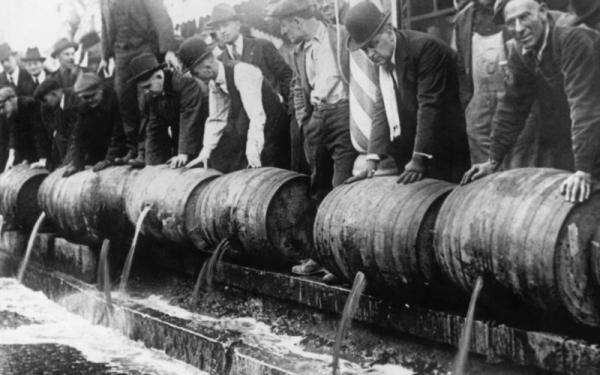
44,88
290,8
86,82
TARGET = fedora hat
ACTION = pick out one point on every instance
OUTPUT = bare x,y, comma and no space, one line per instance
89,40
222,13
143,66
290,8
363,22
5,51
586,10
33,54
192,51
61,45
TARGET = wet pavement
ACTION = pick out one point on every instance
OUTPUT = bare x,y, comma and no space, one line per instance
38,336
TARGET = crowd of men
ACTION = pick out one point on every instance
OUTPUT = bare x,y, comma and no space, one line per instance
519,87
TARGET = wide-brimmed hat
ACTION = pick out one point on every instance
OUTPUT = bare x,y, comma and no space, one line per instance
45,87
61,45
363,22
192,51
586,9
5,51
86,82
222,13
33,54
290,8
142,67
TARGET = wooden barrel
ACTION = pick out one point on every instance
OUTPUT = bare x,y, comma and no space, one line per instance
513,227
265,212
172,195
18,191
87,206
381,228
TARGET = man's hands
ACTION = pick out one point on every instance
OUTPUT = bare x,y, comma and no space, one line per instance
172,60
414,171
71,170
480,170
178,161
11,160
39,164
368,172
254,147
577,187
201,159
103,164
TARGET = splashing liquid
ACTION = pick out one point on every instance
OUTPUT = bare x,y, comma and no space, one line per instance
206,275
129,259
349,310
465,337
30,243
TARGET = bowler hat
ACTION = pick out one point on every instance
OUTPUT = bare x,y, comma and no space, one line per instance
33,54
44,88
5,51
143,66
61,45
363,22
89,39
289,8
86,82
586,10
222,13
192,51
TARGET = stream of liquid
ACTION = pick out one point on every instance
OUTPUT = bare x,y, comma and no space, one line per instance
30,243
129,259
206,274
465,338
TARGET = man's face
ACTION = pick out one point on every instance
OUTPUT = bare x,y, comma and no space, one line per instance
206,70
381,49
9,64
92,98
292,29
229,31
67,58
34,67
155,84
526,19
52,99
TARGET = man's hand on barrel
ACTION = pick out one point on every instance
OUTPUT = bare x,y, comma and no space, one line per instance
480,170
254,147
178,161
368,172
414,171
71,169
201,159
39,164
101,165
577,187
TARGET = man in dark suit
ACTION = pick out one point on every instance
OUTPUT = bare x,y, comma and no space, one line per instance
97,138
567,60
67,73
13,75
130,28
418,119
260,53
59,114
34,64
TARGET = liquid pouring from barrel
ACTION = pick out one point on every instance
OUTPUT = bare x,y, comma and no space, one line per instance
129,259
465,337
206,274
104,275
30,243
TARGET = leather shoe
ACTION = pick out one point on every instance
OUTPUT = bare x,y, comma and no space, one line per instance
307,268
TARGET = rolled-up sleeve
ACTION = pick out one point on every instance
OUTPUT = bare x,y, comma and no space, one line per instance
248,80
219,105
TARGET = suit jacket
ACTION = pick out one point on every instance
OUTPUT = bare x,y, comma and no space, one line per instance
264,55
301,95
569,67
57,125
25,86
184,108
98,132
431,117
26,136
147,22
66,79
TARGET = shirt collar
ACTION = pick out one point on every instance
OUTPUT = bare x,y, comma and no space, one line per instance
15,75
320,35
62,101
393,59
42,76
544,44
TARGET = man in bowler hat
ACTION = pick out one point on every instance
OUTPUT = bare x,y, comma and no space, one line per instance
130,28
97,138
13,75
67,73
34,64
418,116
58,114
173,113
245,113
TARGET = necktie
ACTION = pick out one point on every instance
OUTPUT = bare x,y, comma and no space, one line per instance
234,52
36,81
